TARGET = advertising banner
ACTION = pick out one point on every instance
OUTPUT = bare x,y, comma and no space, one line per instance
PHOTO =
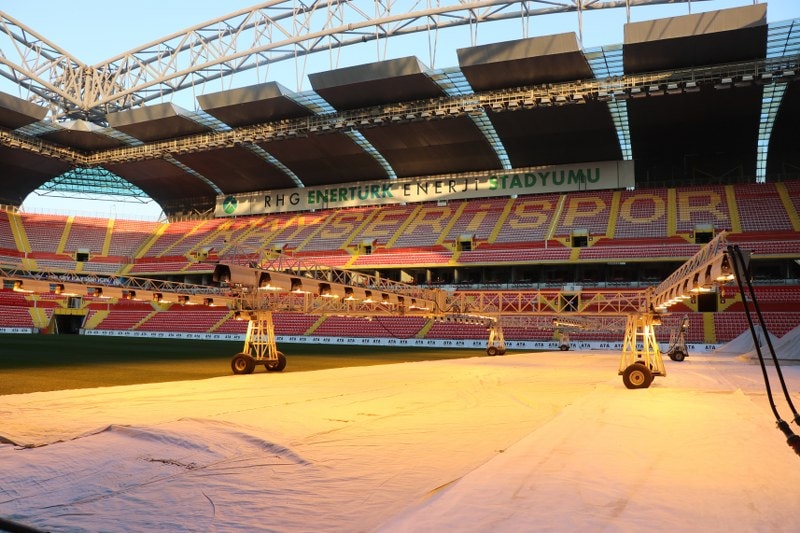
535,180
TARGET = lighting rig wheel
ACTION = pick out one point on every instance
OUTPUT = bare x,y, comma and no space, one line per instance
677,355
277,366
242,364
492,350
564,347
637,376
501,352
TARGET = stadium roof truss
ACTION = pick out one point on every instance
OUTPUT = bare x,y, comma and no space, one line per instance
85,117
264,34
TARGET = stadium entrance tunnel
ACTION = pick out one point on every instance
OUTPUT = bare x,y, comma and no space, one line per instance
66,324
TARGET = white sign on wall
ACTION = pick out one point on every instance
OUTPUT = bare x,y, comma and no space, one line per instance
534,180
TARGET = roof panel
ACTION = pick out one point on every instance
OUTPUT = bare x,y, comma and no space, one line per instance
155,123
16,112
372,84
533,61
256,104
82,135
725,36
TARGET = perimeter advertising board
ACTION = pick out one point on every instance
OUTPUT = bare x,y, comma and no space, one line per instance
534,180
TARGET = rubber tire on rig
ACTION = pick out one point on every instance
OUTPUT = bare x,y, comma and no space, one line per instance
677,355
492,350
501,352
277,366
243,363
637,376
564,347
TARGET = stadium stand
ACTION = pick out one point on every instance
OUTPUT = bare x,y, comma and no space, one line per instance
482,219
44,232
642,214
680,159
527,220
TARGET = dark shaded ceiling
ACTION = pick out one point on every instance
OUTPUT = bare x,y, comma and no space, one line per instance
326,159
555,135
705,135
426,148
686,136
22,172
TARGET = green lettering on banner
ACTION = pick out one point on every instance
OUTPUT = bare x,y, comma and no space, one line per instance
576,176
543,176
521,181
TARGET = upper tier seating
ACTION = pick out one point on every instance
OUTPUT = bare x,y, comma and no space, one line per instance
586,210
701,206
44,231
127,236
86,234
642,214
645,224
477,219
528,219
7,241
761,209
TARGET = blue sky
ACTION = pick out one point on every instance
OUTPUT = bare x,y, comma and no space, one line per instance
93,31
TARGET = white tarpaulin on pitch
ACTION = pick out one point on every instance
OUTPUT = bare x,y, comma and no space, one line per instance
547,441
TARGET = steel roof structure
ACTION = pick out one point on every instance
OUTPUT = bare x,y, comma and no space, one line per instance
693,99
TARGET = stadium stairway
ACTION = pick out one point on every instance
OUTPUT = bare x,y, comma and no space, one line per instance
786,200
222,321
62,241
96,318
18,230
316,325
425,329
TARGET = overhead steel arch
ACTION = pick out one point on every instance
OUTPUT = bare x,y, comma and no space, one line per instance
256,37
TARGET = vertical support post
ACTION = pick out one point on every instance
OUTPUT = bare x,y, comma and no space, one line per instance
496,345
259,342
640,344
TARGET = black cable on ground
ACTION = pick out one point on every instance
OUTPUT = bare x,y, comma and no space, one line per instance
741,271
16,527
769,343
